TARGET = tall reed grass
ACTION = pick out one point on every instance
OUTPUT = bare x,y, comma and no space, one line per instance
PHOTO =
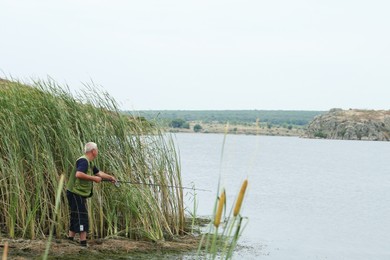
43,128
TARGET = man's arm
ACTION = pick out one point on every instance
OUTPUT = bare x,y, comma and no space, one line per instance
82,168
83,176
106,176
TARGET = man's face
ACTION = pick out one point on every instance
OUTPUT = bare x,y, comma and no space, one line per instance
95,153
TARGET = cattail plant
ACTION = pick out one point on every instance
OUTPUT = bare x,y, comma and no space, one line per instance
222,244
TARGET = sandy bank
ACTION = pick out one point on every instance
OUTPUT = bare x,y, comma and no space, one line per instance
113,248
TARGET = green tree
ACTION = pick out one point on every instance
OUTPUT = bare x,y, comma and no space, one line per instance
177,123
197,128
186,125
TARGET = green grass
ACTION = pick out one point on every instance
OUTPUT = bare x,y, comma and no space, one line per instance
42,131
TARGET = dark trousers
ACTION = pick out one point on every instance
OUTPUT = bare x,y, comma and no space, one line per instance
78,212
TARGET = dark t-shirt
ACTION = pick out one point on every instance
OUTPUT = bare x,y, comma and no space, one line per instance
82,166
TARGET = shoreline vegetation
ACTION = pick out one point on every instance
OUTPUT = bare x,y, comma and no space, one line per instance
43,129
239,129
271,122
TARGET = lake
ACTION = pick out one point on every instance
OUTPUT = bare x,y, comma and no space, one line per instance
306,199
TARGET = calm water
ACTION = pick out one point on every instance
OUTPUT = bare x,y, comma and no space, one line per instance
307,199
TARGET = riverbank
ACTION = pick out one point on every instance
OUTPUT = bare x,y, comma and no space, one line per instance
241,129
114,248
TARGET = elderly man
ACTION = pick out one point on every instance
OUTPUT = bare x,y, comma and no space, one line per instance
79,188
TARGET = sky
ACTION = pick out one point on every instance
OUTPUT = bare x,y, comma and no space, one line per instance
197,55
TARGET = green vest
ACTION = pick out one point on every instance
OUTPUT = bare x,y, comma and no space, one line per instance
78,186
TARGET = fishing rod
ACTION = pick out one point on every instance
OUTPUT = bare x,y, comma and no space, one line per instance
118,184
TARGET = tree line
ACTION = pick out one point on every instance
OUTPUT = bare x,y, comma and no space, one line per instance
180,118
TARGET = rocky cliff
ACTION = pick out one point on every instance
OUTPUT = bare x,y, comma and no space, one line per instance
351,124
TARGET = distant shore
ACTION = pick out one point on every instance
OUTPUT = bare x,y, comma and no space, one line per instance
239,129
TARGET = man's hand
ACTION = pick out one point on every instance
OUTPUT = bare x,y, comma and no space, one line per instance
97,179
112,178
106,176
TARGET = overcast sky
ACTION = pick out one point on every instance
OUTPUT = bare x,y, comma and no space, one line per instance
310,55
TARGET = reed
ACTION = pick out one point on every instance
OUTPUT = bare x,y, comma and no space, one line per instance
56,208
43,128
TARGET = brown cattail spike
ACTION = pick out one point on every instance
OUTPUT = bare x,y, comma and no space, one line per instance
240,198
218,215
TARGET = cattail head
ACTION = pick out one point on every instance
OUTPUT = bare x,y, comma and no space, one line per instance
240,198
221,203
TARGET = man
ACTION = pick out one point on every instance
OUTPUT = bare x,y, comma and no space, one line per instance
79,188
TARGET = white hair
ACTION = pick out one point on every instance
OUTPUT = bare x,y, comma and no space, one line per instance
89,147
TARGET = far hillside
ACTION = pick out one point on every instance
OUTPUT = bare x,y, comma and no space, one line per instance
352,124
274,117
